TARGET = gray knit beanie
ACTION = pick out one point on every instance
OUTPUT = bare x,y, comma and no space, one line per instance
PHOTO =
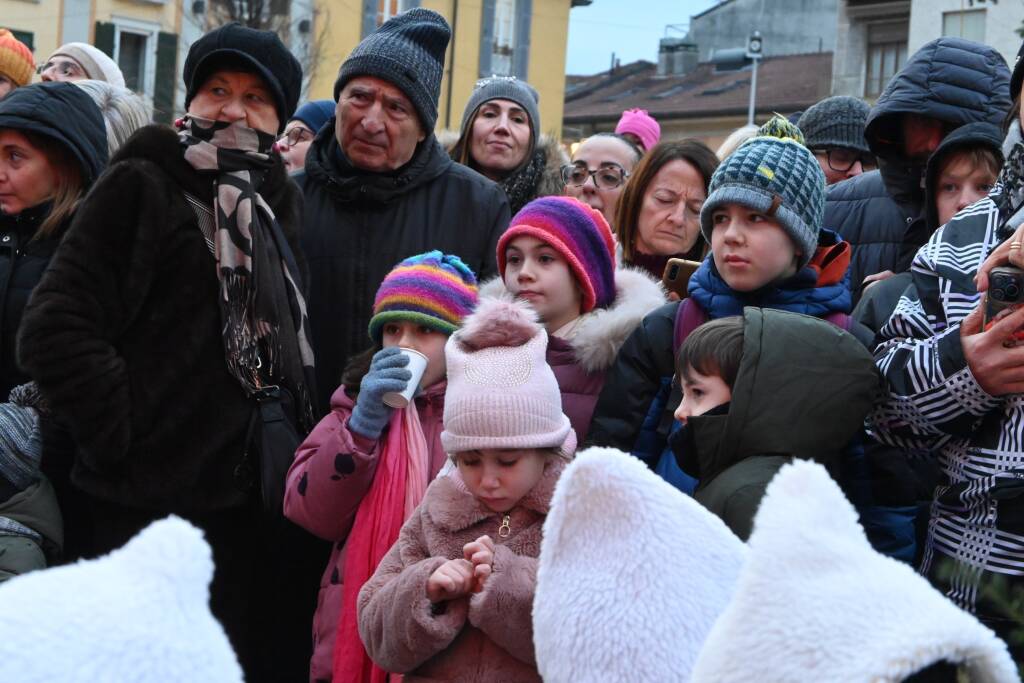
504,88
778,177
836,122
408,51
21,444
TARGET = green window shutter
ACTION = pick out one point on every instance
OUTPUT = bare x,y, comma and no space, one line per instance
26,37
369,17
166,77
521,55
486,38
104,37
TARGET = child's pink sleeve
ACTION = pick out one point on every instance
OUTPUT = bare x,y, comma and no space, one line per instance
332,471
397,623
504,609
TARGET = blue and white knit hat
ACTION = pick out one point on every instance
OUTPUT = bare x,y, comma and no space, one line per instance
777,176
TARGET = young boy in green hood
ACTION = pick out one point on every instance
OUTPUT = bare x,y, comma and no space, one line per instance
759,390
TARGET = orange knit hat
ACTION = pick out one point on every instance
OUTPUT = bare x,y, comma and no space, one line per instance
16,61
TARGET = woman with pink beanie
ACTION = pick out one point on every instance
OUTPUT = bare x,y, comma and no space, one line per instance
452,600
640,127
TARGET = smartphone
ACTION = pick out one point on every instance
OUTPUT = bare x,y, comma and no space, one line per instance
1005,291
676,277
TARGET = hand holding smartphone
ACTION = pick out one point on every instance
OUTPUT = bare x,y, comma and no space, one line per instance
1005,292
676,277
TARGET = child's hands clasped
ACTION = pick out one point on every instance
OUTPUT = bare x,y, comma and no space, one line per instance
480,553
457,578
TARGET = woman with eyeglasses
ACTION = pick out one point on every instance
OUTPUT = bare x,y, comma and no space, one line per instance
300,131
658,214
500,138
599,170
78,62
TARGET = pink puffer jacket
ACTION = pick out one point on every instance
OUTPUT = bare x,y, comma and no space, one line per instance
332,471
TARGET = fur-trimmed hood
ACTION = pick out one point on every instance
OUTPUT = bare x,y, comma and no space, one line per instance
602,332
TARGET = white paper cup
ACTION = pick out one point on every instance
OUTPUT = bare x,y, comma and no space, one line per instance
417,366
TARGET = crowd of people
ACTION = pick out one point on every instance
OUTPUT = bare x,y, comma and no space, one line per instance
361,355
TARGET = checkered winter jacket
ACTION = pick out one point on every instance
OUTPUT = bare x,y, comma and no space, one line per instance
936,408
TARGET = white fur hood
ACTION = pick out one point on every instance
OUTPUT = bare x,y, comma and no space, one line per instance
602,332
815,602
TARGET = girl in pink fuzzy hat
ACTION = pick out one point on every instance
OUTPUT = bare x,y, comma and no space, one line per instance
452,600
640,127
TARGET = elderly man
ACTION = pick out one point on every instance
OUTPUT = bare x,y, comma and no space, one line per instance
379,187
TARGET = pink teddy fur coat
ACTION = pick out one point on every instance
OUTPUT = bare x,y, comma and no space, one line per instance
486,637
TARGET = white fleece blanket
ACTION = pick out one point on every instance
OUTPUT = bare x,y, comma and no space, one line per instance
632,575
139,614
816,603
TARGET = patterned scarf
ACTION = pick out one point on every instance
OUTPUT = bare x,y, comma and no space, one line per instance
521,186
262,308
1009,196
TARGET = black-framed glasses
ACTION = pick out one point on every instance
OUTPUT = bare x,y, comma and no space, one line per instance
841,159
606,177
296,135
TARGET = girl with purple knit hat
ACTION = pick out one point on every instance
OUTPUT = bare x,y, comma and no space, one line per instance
559,255
364,468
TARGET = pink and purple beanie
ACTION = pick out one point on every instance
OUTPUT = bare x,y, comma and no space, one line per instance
641,124
577,232
434,289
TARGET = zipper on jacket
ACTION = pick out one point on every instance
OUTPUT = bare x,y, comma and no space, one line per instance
505,530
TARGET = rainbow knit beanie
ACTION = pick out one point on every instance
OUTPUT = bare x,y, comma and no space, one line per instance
433,289
16,60
577,232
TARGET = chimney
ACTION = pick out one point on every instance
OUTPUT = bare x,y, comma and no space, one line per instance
676,57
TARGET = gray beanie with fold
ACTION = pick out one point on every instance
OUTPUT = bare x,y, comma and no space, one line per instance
505,88
836,122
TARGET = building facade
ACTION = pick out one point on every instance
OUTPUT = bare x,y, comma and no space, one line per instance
522,38
149,40
789,27
875,37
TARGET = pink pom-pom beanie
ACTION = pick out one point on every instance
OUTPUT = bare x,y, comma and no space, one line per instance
501,392
641,124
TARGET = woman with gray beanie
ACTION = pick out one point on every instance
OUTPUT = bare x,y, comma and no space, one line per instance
171,319
500,139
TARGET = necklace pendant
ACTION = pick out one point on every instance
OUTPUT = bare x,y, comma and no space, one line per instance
505,530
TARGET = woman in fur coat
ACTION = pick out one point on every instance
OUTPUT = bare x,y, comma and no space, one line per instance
173,300
559,255
500,139
452,600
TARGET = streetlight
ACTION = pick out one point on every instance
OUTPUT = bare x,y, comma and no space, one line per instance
754,48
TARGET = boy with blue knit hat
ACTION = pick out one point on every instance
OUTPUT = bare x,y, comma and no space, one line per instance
763,219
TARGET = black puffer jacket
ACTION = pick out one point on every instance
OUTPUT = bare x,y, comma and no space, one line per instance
22,262
358,225
954,80
123,335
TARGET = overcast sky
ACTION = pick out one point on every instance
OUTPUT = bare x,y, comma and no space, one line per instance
629,28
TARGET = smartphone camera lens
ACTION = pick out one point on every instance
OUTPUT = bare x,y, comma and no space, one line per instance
998,294
673,272
1011,291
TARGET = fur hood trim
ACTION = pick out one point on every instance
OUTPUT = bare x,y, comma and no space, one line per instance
453,508
602,332
551,180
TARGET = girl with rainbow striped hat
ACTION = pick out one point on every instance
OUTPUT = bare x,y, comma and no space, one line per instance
365,467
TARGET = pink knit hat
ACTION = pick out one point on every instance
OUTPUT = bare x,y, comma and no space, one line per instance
501,392
641,124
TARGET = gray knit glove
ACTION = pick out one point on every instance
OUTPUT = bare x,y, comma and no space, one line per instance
387,374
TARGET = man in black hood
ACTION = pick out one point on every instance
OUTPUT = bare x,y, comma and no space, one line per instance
947,83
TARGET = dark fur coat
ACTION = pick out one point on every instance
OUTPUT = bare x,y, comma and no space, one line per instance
123,335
